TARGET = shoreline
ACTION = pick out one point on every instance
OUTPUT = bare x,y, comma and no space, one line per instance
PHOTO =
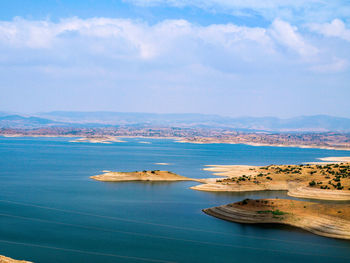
185,140
303,146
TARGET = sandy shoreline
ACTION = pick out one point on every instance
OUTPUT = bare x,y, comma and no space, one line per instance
4,259
335,159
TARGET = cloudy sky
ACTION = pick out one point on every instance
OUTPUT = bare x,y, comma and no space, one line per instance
230,57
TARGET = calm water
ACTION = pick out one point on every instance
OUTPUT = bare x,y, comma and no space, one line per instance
50,211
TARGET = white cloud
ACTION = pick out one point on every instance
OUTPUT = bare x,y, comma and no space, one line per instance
288,36
336,28
113,43
19,32
150,41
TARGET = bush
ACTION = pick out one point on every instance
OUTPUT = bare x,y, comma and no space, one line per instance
278,213
312,183
245,201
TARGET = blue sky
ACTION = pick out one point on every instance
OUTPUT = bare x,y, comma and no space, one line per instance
235,58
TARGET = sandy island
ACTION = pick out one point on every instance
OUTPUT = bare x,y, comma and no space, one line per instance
327,182
330,220
155,175
4,259
108,139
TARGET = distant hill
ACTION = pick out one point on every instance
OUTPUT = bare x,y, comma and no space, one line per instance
317,123
17,121
127,118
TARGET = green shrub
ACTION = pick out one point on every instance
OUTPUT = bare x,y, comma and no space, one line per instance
312,183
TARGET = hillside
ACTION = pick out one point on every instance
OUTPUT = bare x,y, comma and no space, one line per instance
317,123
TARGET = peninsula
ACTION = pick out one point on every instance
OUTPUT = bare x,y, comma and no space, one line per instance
329,181
330,220
154,175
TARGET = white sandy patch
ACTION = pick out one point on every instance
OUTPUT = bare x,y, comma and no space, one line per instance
162,163
335,159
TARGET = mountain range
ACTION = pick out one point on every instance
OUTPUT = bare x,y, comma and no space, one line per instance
316,123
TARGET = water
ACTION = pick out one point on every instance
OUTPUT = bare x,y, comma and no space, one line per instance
50,211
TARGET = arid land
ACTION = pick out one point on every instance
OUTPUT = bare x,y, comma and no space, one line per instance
330,220
330,181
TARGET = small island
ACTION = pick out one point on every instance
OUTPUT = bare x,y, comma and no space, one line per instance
98,139
330,181
330,220
154,175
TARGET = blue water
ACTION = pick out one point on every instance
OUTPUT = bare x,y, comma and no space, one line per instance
50,211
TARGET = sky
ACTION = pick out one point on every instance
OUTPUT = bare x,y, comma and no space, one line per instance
280,58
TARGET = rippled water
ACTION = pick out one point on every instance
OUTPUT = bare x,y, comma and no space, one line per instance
50,211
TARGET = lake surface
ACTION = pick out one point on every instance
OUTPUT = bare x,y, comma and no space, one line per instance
50,211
